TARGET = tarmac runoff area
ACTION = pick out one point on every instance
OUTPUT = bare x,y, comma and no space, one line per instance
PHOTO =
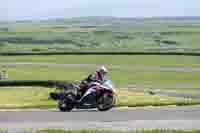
168,117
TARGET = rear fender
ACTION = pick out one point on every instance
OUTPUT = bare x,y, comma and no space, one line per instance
56,96
70,96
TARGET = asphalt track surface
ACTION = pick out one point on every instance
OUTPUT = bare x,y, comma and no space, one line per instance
171,117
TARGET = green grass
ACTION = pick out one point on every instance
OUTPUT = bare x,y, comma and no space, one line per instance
130,76
77,38
131,99
107,131
119,77
135,60
189,90
37,97
25,97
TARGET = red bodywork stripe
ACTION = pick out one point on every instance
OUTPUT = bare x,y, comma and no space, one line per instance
107,94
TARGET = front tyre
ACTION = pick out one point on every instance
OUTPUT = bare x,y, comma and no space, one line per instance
105,103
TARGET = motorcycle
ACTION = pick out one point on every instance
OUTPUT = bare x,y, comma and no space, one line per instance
99,95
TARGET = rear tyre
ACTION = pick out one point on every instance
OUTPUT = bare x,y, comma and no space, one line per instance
66,104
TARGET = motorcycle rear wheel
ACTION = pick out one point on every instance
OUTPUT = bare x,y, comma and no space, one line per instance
66,104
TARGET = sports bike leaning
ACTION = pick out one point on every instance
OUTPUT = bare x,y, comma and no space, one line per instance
99,95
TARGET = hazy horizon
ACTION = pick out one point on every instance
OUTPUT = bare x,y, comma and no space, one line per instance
45,9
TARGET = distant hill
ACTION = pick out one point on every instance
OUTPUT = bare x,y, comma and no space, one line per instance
101,20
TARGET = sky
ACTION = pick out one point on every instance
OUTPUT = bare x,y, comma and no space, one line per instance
43,9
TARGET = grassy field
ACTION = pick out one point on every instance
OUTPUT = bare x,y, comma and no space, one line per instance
186,90
129,76
135,60
119,77
25,97
37,97
67,36
106,131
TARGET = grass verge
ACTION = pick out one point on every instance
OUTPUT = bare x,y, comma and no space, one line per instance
119,77
107,131
140,60
37,97
132,99
185,90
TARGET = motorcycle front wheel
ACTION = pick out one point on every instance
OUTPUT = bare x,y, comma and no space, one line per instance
105,103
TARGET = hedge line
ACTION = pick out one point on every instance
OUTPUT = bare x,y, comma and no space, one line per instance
45,83
98,53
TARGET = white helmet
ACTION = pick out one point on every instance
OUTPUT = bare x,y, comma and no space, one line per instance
102,70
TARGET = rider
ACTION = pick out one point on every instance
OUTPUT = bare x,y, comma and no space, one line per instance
98,76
